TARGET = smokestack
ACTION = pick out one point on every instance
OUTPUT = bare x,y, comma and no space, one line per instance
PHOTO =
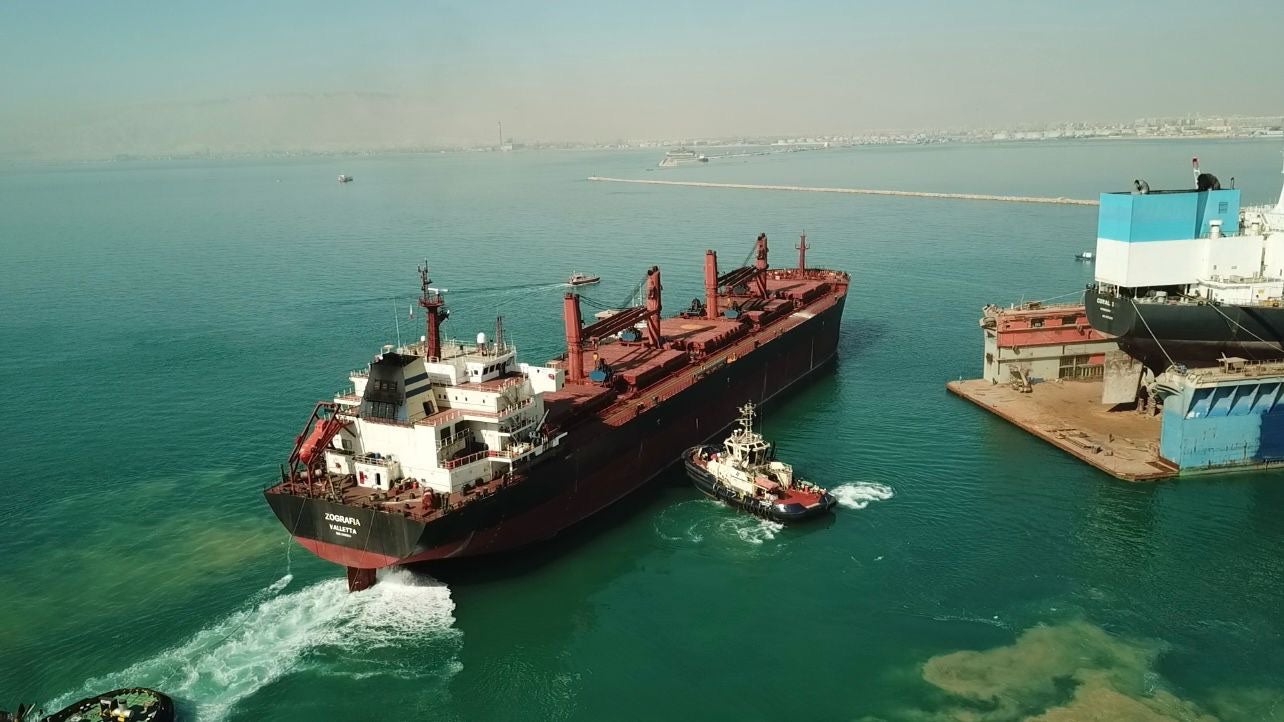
710,285
574,344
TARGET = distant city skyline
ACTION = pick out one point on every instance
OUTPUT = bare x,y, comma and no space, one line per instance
101,80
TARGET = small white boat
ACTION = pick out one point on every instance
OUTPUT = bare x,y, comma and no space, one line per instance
582,279
345,178
1085,256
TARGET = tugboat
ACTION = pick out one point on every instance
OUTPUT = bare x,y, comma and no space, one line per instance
131,704
747,476
582,279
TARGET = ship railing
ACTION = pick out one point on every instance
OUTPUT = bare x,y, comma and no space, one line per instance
492,386
462,436
452,349
441,417
512,427
510,410
385,420
451,415
465,460
378,460
1232,368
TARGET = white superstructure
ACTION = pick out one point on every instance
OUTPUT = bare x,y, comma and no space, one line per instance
446,422
1174,245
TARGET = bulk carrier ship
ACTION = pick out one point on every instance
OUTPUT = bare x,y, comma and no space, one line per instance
448,450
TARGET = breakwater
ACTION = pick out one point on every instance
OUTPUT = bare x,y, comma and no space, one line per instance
856,191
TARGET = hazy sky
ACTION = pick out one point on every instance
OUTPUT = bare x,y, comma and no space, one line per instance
94,78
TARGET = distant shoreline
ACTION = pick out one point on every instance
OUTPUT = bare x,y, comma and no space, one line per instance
30,162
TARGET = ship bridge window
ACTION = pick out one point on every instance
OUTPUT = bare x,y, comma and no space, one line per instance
1223,206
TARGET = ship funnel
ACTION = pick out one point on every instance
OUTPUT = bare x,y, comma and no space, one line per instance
1204,181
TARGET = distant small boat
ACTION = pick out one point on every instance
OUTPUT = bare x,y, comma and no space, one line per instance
582,279
345,178
1085,256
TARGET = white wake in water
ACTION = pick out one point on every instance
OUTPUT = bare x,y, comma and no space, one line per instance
753,530
861,494
244,652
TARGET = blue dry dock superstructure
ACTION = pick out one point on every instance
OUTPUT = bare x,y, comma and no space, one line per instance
1222,418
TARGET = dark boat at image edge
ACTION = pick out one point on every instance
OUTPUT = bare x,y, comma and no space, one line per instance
446,450
131,704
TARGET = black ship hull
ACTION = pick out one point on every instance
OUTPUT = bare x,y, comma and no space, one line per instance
1192,334
599,464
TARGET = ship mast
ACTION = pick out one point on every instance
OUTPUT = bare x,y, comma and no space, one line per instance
653,306
435,312
802,252
760,265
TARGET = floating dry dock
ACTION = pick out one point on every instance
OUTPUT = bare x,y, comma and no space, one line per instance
1050,373
1070,416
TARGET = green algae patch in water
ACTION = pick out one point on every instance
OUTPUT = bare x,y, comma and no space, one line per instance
1056,673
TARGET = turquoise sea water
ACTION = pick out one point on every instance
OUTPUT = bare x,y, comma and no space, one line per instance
165,328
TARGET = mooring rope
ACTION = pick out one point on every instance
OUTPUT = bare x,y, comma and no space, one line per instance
1145,323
